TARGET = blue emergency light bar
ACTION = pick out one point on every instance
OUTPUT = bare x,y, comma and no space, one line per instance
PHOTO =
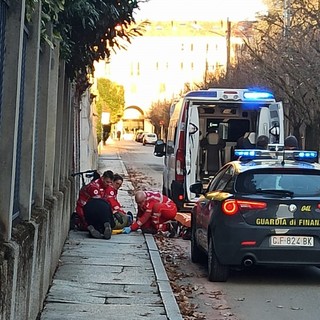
251,154
232,94
305,154
257,95
203,94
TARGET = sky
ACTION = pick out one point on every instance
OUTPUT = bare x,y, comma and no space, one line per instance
199,10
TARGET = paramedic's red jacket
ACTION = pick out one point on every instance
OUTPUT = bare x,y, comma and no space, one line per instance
95,189
111,196
153,199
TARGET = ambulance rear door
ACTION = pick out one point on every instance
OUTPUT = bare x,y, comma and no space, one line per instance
192,145
277,122
271,122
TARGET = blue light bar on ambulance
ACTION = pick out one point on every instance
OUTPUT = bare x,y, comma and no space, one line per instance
247,153
203,93
257,95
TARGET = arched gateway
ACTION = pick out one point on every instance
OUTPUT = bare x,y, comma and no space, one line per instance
133,119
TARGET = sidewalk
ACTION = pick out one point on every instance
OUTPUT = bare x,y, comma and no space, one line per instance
120,278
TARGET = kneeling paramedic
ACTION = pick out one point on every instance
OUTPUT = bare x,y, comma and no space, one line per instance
154,210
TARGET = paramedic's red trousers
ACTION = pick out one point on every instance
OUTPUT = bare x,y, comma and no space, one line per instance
162,212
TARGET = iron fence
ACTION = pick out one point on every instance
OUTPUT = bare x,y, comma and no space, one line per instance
3,19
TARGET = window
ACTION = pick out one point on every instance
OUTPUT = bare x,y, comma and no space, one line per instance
220,180
171,139
162,87
225,179
131,69
133,88
251,181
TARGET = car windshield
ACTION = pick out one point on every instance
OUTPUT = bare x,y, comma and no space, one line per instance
282,184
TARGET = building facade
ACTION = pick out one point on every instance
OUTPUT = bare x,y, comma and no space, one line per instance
170,58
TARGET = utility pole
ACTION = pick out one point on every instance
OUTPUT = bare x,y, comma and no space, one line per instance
287,18
228,47
286,29
286,35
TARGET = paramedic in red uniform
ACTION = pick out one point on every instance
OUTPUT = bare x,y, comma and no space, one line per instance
154,210
112,193
123,218
95,189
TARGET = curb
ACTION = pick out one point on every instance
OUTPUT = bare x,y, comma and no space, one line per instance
167,296
165,290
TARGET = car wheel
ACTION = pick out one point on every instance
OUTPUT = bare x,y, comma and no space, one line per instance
197,255
216,271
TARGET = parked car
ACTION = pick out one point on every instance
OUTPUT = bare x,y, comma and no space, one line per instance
149,138
263,209
139,136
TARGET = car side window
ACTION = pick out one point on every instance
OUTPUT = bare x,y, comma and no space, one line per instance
218,180
225,179
171,139
230,178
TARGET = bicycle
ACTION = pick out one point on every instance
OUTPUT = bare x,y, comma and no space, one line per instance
90,175
86,177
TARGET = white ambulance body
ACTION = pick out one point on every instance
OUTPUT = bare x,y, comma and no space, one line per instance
205,127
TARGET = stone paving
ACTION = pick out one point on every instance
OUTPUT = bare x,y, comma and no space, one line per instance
120,278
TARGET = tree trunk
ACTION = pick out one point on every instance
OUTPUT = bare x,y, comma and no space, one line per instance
297,134
312,136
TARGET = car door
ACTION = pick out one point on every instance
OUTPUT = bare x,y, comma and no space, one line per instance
277,122
271,122
212,197
192,146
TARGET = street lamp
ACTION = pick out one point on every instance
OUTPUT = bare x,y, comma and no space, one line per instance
228,43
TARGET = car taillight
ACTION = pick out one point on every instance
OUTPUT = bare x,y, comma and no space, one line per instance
231,207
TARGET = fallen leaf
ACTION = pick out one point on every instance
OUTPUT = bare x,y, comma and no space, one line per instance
296,308
241,299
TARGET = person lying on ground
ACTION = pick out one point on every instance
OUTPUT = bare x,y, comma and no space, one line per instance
94,189
155,210
122,218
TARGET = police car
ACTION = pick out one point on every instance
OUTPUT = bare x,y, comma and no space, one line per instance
262,209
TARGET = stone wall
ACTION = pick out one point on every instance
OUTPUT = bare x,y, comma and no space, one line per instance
40,128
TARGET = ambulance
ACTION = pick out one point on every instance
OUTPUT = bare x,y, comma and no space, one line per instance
204,129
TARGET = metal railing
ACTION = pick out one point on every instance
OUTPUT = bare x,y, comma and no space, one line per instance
3,19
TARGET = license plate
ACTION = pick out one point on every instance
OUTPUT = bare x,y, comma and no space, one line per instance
291,241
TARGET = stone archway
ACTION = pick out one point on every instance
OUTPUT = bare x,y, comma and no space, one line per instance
133,119
132,108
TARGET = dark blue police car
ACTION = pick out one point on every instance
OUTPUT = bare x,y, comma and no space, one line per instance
263,209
